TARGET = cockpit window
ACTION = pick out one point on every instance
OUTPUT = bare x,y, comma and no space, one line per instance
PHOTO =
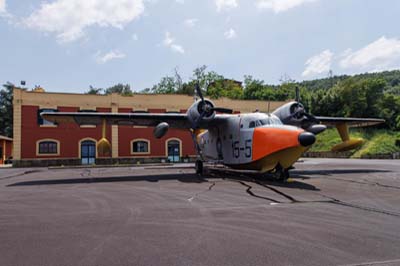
266,121
276,121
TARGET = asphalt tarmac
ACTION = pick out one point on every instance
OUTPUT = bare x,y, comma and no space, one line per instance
333,212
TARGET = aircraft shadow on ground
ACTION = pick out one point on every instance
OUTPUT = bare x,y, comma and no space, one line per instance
181,177
194,178
185,178
305,174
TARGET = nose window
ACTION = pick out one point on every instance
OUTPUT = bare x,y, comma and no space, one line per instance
252,124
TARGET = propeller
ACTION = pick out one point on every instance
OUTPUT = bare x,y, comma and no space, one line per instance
207,108
300,113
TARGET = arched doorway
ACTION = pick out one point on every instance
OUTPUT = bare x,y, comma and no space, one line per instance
174,150
88,152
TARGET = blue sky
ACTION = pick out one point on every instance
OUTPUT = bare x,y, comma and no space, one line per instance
67,45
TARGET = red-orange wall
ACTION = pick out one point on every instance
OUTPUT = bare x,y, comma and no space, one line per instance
69,136
157,146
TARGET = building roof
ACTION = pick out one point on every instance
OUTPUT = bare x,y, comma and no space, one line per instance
5,138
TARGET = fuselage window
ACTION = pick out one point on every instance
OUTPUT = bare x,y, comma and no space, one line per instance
48,147
140,146
252,124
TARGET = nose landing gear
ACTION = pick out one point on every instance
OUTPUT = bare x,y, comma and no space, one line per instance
280,174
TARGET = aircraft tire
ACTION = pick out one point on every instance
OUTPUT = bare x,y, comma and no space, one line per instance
199,167
281,174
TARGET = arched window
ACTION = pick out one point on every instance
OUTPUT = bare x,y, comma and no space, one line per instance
48,147
140,146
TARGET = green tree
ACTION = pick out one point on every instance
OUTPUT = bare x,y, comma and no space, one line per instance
94,91
252,88
225,88
204,78
6,110
166,85
120,88
389,109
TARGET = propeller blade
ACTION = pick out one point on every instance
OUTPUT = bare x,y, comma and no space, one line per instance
222,110
199,93
297,94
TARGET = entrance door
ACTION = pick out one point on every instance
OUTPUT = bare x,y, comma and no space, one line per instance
174,151
88,152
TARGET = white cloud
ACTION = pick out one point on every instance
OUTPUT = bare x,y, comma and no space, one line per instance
226,4
281,5
317,64
104,58
169,41
135,37
180,1
191,22
382,54
230,34
68,19
2,6
177,48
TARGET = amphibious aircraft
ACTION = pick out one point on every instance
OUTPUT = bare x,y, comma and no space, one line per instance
266,143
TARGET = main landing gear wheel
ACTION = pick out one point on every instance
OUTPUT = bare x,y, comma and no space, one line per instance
199,167
280,174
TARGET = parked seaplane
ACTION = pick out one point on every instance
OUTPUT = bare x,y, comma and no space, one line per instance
266,143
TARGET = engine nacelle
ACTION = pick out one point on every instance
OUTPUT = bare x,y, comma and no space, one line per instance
195,112
160,130
293,113
286,113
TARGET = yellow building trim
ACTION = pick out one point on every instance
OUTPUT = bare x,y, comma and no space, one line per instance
180,146
170,102
88,108
17,106
85,139
4,150
114,128
139,153
48,154
51,126
48,106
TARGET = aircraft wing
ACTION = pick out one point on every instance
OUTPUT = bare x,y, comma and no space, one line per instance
351,122
175,120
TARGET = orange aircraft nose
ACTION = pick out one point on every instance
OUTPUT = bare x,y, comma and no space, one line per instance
268,140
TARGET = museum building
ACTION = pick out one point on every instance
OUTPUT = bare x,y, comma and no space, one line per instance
37,142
